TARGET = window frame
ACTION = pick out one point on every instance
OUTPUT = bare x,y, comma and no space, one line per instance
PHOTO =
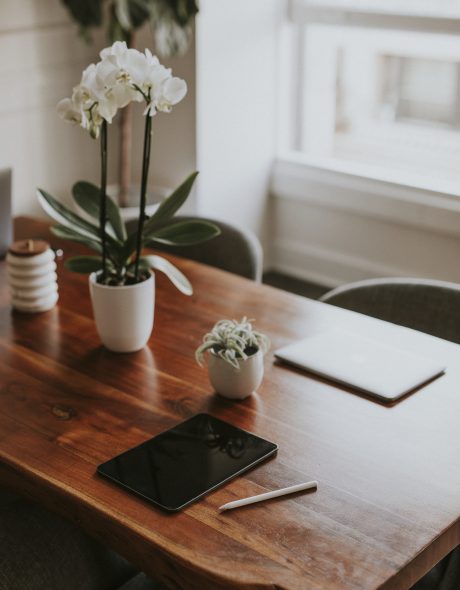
354,188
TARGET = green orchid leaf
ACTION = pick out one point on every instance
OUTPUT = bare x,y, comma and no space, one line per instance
68,234
170,205
178,279
184,233
143,265
71,221
87,196
84,264
130,244
64,216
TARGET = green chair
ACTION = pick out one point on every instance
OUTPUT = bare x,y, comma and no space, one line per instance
424,305
235,250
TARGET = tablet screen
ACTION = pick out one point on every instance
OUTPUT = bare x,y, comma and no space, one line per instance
182,464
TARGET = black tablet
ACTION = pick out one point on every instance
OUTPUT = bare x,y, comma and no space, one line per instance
180,465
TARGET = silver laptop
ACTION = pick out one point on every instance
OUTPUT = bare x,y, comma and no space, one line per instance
377,369
6,227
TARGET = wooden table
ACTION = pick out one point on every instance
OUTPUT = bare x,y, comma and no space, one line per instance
388,503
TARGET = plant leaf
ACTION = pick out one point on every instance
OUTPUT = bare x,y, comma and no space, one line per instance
87,196
178,279
84,264
64,216
184,233
88,13
130,244
199,353
131,14
74,222
69,234
170,205
122,14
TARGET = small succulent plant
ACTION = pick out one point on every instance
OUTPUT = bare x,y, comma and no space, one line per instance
232,341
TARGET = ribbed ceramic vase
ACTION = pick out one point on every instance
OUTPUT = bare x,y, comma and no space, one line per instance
32,276
123,315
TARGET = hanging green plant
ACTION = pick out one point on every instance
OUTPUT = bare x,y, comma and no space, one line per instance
170,20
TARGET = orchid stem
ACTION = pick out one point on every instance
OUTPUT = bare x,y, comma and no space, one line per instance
103,198
145,174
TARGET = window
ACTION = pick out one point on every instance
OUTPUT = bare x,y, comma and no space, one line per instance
377,88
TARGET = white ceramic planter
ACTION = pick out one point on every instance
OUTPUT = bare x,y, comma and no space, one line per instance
236,383
123,315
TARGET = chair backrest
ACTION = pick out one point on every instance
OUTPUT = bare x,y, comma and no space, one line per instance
236,249
425,305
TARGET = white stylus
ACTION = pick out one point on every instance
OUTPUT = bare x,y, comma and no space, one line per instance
268,495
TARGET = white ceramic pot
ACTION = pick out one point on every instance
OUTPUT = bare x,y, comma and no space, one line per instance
123,315
236,383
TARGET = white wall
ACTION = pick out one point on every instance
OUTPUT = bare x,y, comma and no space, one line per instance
337,222
237,86
335,247
174,134
41,59
225,127
332,228
232,142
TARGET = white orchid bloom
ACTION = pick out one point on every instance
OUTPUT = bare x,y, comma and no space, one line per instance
118,48
173,91
121,76
91,83
161,88
155,76
107,108
105,75
95,122
86,104
67,111
82,102
111,91
135,64
122,71
152,60
123,94
100,94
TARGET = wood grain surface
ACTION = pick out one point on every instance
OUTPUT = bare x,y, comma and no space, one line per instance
388,503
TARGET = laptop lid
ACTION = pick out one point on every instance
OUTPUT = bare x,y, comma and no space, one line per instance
6,226
368,365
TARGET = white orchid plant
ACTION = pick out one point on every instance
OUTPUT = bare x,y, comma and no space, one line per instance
120,77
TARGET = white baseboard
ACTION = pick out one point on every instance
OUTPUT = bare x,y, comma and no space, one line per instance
327,267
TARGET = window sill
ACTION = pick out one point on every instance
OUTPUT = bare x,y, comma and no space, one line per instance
355,189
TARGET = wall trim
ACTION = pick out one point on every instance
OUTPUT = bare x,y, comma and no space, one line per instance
363,195
327,267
